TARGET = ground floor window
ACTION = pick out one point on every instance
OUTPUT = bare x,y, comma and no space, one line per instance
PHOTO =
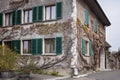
49,45
8,44
86,47
26,46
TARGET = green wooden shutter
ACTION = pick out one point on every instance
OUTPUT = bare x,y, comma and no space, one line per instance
1,19
15,45
59,10
84,46
33,45
34,14
40,13
0,42
18,17
58,45
86,22
39,46
95,25
36,46
90,48
13,17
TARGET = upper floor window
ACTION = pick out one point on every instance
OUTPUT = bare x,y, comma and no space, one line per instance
28,16
50,12
8,19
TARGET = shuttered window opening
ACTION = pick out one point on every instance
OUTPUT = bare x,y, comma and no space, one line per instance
53,46
8,19
49,45
50,12
28,16
86,19
26,46
87,47
1,19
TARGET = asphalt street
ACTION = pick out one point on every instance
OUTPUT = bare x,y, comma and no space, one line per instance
105,75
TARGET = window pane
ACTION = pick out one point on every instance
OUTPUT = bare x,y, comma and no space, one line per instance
50,45
53,14
10,19
47,13
6,19
30,16
26,17
26,47
8,44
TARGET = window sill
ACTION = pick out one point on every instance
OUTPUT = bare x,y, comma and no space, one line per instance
26,54
49,54
87,55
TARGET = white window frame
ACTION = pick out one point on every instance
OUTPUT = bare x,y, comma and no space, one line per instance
44,53
50,13
27,16
8,19
22,47
87,46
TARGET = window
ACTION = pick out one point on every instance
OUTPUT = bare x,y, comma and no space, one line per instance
50,12
28,16
8,19
86,47
14,45
8,44
50,45
26,47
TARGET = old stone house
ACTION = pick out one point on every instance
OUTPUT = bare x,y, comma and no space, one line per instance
65,34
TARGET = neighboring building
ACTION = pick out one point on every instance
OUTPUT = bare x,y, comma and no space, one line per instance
107,54
68,33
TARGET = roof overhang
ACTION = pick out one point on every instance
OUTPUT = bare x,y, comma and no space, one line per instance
97,10
107,44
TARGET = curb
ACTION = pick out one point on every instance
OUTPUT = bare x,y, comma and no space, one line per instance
58,78
83,75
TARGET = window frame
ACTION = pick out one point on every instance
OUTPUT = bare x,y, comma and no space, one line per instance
28,17
29,47
50,6
8,44
9,19
87,42
87,48
44,50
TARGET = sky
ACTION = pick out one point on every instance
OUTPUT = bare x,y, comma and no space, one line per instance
112,11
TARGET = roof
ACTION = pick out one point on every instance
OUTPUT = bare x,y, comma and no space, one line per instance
107,44
97,10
